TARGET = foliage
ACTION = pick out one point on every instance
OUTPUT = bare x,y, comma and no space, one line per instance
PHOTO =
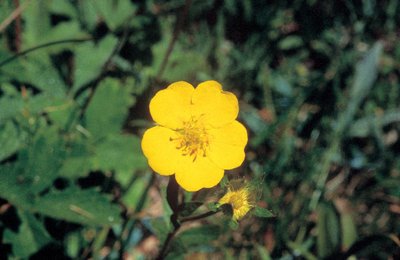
318,86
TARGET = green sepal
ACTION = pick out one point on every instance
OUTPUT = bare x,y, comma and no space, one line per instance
262,212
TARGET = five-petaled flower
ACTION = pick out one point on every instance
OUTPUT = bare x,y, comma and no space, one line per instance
197,136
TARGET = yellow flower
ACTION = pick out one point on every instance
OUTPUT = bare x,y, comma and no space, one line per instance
197,136
241,197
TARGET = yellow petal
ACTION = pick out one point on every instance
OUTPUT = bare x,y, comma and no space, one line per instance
159,150
171,107
200,173
217,106
226,148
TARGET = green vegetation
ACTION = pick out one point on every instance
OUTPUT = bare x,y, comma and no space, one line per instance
319,90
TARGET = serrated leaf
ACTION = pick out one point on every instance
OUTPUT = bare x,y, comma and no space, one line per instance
63,113
36,169
11,139
64,7
90,59
10,106
31,236
88,14
115,13
120,153
79,206
262,212
108,108
37,23
64,31
78,160
12,189
41,160
40,72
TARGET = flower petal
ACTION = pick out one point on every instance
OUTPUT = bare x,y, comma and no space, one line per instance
160,151
170,107
200,173
227,144
217,106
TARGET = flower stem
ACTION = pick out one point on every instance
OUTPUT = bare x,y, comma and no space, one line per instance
167,242
173,202
204,215
175,205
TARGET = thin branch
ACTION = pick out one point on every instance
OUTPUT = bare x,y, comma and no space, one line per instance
16,13
18,28
8,60
204,215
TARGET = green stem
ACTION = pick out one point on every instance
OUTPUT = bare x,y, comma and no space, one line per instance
173,202
175,205
204,215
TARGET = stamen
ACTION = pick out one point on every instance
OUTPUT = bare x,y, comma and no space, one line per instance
192,139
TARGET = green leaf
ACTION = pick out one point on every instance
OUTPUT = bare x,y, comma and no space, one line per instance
41,160
366,72
88,15
10,104
367,125
12,188
233,224
31,236
73,244
115,13
36,23
282,86
213,206
198,236
78,159
108,108
263,252
64,7
159,226
120,153
36,169
63,113
132,198
40,72
79,206
11,139
290,42
90,59
349,230
327,230
262,212
70,30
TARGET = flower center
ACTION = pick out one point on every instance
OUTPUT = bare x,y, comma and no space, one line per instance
239,200
192,139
